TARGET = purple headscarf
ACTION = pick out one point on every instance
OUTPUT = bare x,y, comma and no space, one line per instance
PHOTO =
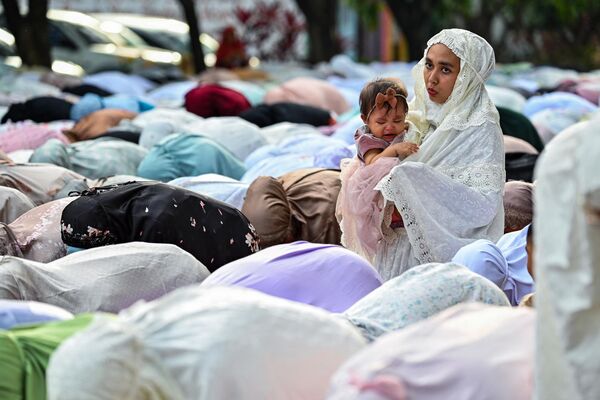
505,264
326,276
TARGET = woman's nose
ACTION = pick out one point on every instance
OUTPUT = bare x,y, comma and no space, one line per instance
433,78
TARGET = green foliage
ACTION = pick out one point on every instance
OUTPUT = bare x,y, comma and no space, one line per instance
368,11
560,32
449,8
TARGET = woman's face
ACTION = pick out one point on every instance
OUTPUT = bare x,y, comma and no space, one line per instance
441,69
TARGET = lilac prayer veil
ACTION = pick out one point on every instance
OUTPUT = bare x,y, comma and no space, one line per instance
326,276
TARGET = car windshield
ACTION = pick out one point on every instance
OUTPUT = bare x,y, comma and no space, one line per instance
92,36
168,41
58,38
161,40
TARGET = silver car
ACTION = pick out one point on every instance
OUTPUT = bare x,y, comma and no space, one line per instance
80,38
165,33
8,56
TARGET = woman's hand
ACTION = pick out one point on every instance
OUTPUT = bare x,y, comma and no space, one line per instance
404,149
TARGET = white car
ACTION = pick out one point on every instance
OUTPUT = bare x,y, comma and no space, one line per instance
8,56
164,33
79,38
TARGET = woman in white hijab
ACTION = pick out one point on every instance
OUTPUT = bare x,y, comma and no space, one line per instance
449,193
205,343
567,262
108,278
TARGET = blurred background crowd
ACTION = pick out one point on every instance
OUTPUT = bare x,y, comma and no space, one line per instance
86,36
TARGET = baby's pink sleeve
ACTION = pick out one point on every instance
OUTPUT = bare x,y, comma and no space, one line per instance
365,142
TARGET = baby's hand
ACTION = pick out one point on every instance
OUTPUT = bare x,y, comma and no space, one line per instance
405,149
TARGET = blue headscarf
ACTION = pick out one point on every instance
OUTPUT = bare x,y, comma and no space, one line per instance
506,267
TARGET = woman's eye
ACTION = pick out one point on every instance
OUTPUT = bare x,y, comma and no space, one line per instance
446,70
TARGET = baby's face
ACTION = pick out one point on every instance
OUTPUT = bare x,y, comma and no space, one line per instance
387,124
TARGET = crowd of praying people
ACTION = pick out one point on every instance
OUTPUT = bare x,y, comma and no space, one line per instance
219,239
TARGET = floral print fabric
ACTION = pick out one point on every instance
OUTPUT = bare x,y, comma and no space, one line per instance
212,231
420,293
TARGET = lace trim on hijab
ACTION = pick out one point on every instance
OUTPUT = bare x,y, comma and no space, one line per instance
482,177
457,48
421,250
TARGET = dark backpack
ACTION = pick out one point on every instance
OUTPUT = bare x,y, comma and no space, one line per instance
212,231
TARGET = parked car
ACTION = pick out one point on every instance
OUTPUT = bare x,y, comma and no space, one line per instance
79,38
165,33
9,56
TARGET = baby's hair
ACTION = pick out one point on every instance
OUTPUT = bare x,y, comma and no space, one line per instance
366,100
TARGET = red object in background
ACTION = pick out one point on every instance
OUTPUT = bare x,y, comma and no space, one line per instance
269,30
231,52
215,101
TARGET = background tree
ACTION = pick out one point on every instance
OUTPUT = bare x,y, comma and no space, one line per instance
30,31
418,20
563,33
321,27
191,18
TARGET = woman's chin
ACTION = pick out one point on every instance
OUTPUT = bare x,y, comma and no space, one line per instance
433,98
436,99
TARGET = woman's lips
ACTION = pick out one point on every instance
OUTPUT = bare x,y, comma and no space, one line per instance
431,92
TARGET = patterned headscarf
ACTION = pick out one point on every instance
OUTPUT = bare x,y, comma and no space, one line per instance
418,294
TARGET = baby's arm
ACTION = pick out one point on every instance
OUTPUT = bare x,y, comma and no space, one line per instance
401,150
374,154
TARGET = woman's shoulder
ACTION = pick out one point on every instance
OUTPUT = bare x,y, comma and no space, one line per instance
484,129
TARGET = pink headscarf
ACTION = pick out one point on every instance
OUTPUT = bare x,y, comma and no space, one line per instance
469,352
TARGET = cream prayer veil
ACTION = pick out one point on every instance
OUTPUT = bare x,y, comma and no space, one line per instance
567,265
205,343
449,193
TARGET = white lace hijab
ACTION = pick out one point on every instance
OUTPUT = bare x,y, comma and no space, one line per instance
449,193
